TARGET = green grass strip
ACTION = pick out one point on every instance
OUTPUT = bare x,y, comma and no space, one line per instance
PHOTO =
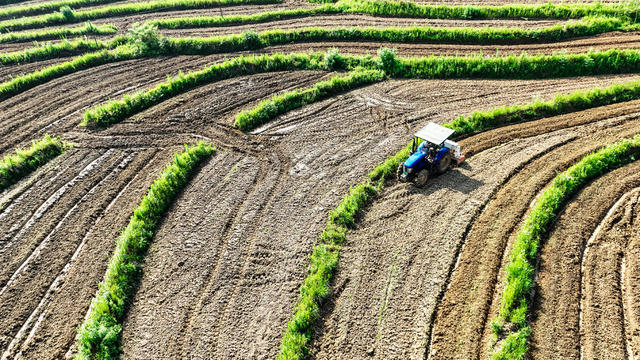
28,81
87,29
323,262
99,335
279,104
24,161
118,110
47,7
69,16
514,11
65,47
541,66
586,27
520,271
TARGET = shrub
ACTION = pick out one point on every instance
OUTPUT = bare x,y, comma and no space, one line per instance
333,59
67,13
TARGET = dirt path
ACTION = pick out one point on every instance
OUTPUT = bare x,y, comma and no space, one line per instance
471,294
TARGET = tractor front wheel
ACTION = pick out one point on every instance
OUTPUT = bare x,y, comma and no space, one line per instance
421,178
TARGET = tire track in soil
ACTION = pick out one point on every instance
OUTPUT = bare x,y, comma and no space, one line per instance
47,295
558,292
473,292
609,318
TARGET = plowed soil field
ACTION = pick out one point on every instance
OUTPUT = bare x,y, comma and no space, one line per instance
421,273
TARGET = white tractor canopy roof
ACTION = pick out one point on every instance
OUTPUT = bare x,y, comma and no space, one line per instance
434,133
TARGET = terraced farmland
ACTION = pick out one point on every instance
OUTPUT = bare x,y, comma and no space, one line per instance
280,230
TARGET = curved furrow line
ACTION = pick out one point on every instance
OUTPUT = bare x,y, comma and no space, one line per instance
24,224
608,322
474,287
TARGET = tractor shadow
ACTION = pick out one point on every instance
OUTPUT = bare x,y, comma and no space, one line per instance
454,179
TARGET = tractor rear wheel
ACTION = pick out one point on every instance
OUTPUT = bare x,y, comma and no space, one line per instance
421,178
399,172
445,163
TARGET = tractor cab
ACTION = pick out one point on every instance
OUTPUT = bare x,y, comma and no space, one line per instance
431,154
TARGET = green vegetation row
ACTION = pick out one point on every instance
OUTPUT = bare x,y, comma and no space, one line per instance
323,262
99,335
117,110
513,11
67,15
49,50
47,7
279,104
24,161
432,67
520,271
87,29
586,27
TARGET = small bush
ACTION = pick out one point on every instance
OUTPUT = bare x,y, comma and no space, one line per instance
333,59
67,13
146,39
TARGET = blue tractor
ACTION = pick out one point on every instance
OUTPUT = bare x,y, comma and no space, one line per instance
435,155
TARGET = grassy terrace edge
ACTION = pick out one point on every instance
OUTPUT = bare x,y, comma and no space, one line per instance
524,66
69,16
520,270
14,167
99,335
87,29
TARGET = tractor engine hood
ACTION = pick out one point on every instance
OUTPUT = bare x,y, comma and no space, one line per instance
414,159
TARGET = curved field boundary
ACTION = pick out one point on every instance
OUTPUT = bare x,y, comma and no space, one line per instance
68,16
520,270
63,48
15,166
87,29
99,335
433,67
280,104
42,8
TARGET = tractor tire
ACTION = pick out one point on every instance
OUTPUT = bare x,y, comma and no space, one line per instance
445,163
421,178
399,172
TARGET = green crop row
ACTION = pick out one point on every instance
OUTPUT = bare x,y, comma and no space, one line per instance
536,66
53,50
282,103
520,271
586,27
323,261
69,16
87,29
514,11
99,335
117,110
24,161
47,7
21,83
